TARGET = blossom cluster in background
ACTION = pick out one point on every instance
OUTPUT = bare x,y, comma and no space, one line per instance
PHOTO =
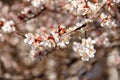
7,26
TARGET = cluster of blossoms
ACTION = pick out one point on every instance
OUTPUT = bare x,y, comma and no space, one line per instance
103,40
40,44
85,49
80,7
37,3
87,9
7,26
51,39
106,21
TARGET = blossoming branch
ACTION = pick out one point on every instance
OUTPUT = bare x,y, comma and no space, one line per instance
58,35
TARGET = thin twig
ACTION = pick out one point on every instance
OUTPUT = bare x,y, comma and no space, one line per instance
25,20
34,16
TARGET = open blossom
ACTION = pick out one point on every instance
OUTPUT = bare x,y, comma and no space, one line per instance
49,42
64,42
32,39
73,2
85,49
109,23
29,38
106,42
7,26
106,21
37,3
3,20
88,42
26,10
61,42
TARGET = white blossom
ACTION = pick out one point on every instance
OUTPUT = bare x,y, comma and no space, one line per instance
3,19
8,26
37,3
26,10
109,23
61,44
64,42
88,42
49,44
103,15
29,38
56,36
85,49
106,42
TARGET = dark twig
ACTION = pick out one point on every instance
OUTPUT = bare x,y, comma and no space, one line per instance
34,16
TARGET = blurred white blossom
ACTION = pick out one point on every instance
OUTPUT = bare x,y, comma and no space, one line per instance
8,26
37,3
106,42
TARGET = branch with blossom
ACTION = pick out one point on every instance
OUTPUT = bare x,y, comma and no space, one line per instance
59,37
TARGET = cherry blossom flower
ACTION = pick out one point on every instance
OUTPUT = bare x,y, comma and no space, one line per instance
64,41
29,38
85,49
106,21
8,26
106,42
37,3
26,10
